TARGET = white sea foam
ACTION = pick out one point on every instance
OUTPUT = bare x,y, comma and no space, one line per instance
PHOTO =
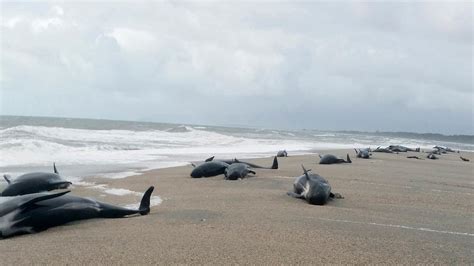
131,150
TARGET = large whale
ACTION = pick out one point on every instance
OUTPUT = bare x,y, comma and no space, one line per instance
331,159
208,169
236,171
313,188
37,212
34,183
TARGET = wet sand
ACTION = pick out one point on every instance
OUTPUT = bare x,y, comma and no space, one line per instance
395,210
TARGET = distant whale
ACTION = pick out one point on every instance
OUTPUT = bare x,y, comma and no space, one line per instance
34,183
400,148
282,153
208,169
36,212
363,153
251,165
331,159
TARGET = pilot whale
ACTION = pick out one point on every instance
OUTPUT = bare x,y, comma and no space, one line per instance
34,183
32,213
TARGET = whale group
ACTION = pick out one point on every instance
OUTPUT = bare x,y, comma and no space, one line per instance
27,207
27,204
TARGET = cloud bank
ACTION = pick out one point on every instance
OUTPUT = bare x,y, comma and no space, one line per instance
361,66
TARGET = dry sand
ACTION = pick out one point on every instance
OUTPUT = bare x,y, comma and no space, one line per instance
395,210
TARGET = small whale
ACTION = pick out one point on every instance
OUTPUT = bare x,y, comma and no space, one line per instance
208,169
251,165
331,159
34,183
313,188
236,171
363,153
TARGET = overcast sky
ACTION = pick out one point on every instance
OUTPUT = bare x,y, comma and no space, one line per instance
345,65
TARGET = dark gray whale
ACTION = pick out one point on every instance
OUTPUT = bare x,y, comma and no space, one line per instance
313,188
209,169
251,165
236,171
34,183
37,212
282,153
385,150
363,153
400,148
331,159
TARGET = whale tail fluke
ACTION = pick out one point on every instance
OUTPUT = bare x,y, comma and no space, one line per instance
275,163
145,203
348,158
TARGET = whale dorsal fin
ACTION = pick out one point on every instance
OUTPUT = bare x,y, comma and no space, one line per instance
320,156
55,170
305,172
209,159
7,178
193,165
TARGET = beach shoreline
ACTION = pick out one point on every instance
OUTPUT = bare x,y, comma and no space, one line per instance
395,210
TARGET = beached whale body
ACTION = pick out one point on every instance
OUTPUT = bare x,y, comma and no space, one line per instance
282,153
34,183
37,212
399,148
385,150
237,170
251,165
363,153
209,169
313,188
331,159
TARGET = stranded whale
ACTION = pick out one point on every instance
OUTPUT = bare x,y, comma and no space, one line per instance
37,212
237,170
313,188
34,183
331,159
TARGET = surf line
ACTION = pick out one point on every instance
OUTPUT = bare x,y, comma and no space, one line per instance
399,226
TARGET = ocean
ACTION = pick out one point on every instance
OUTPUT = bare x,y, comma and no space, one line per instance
115,149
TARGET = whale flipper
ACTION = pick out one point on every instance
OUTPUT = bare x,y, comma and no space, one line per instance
209,159
294,195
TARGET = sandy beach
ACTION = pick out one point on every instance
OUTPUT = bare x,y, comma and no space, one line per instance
395,210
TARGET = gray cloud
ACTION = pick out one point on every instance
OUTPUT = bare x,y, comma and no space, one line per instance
364,66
